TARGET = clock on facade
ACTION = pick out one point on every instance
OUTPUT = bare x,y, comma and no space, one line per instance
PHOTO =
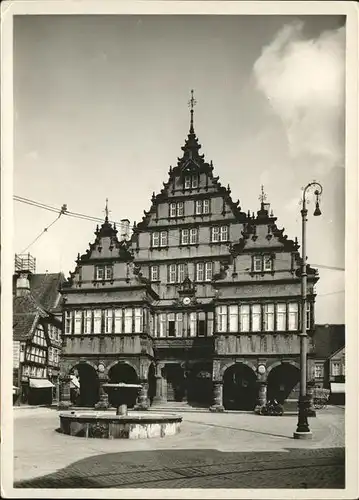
186,301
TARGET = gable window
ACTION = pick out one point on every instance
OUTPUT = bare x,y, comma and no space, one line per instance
87,321
208,271
68,322
198,207
128,320
292,316
193,236
268,317
97,321
184,236
206,206
172,273
154,270
257,263
200,271
173,209
244,318
202,207
159,239
78,322
221,318
233,318
108,320
138,320
256,317
155,239
215,235
118,320
281,317
187,182
176,209
224,233
104,272
267,263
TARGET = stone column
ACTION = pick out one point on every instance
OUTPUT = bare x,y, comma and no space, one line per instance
103,403
161,386
142,400
217,397
65,394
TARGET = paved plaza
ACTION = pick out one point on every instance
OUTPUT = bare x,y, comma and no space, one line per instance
230,450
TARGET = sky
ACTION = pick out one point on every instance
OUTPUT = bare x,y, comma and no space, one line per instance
100,111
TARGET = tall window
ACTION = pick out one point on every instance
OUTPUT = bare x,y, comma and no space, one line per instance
194,181
97,321
171,325
268,317
233,318
256,318
201,324
335,369
281,317
160,239
78,322
104,272
181,269
200,271
162,325
118,320
193,236
215,235
244,318
87,321
309,316
180,209
172,273
176,209
108,320
198,207
293,316
222,318
138,320
179,324
154,270
193,324
267,263
128,320
187,182
173,209
257,263
184,236
318,373
68,322
206,206
208,271
224,233
202,207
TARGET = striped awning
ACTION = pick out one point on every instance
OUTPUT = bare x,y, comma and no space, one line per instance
40,383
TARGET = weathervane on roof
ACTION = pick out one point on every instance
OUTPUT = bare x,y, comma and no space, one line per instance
191,103
262,197
107,211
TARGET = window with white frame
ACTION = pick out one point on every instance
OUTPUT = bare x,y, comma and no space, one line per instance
293,316
185,237
193,324
268,317
181,272
187,182
198,207
335,369
138,320
193,236
180,209
194,181
233,318
108,320
160,239
78,322
179,324
176,209
281,317
256,317
206,208
154,270
200,271
215,234
162,325
257,263
163,239
221,318
202,207
318,371
244,318
87,321
172,273
68,322
155,239
118,320
267,263
97,315
173,209
208,271
104,272
128,320
224,233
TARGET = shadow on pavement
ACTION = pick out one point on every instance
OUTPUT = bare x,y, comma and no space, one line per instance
294,468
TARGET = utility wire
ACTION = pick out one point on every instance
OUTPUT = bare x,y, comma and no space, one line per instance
97,219
63,209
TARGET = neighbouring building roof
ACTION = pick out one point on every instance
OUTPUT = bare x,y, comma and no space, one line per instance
328,339
45,289
26,313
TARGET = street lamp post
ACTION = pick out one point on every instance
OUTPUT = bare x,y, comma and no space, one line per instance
303,431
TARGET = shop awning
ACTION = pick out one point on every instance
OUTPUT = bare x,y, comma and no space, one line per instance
40,383
75,383
337,388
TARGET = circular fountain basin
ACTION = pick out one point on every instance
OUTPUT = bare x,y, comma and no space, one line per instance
106,425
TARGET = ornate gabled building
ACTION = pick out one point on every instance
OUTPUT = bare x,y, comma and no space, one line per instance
202,304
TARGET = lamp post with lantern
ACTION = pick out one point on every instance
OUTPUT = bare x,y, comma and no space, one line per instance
303,431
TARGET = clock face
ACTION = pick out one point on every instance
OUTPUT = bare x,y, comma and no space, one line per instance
186,301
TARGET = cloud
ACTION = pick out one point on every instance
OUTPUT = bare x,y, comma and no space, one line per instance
303,79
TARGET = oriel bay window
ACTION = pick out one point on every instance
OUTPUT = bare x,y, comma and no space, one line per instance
138,320
244,318
281,317
256,317
128,320
268,317
108,316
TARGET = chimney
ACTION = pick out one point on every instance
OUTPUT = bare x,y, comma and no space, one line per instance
22,284
125,229
24,267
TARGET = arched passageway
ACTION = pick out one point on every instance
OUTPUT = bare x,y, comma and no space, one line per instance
176,387
85,387
122,372
239,388
200,385
283,382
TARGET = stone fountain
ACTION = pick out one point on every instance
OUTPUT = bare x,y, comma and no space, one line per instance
122,424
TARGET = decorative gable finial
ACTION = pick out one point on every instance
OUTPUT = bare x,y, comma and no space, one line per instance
262,197
191,103
107,211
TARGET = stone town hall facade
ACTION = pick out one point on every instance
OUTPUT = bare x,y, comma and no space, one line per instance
202,304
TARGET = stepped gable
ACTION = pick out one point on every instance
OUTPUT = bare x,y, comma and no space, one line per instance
190,162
